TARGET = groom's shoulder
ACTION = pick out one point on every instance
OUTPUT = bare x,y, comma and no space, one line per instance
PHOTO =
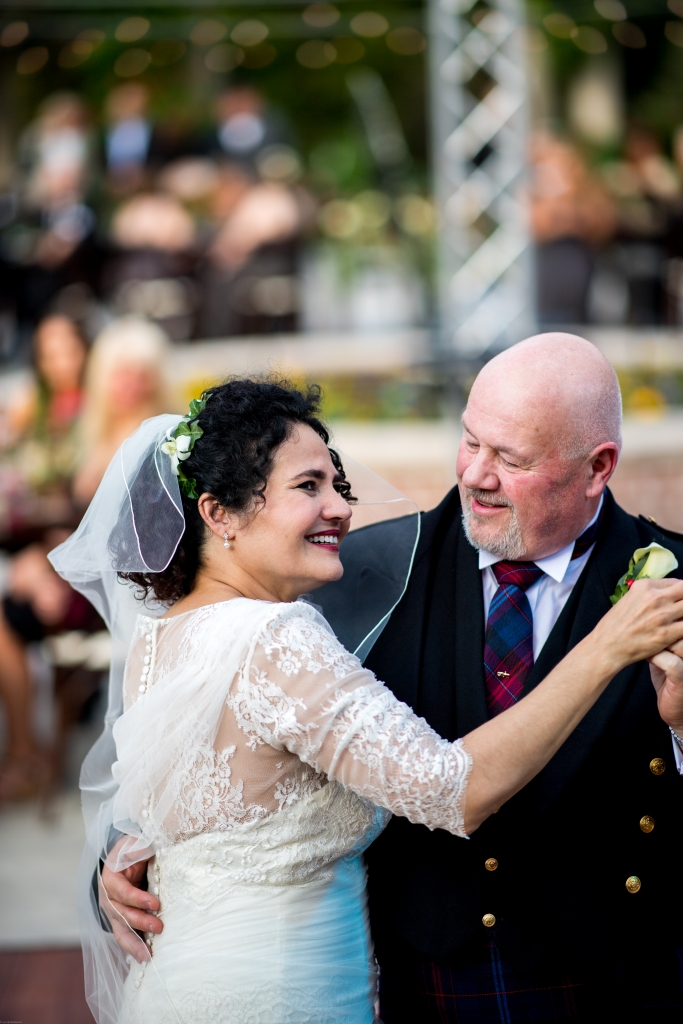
648,530
440,518
668,538
430,524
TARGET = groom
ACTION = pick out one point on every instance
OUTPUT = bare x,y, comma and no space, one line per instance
568,903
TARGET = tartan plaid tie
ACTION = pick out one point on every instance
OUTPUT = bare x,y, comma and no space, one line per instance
509,643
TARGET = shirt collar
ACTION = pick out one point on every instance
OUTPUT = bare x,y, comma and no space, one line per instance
555,565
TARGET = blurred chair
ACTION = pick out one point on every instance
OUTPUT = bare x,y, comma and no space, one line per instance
249,277
151,269
37,604
79,661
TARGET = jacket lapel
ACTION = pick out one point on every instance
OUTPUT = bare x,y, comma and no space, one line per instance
398,656
587,604
469,646
590,599
437,697
452,694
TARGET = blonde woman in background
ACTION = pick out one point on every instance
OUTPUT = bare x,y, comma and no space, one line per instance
125,385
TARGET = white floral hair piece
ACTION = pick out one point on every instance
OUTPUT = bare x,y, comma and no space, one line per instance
180,442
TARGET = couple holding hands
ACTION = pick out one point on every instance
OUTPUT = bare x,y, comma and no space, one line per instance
456,767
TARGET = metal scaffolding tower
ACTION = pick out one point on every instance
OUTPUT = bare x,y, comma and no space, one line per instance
479,110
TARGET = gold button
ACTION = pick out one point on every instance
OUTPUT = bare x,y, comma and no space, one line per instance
647,823
657,765
491,864
633,883
488,920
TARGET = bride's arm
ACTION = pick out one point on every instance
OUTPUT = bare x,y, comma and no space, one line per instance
302,691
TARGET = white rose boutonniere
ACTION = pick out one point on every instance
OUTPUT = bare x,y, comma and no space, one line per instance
651,563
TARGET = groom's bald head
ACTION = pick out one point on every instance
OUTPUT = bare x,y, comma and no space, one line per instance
542,437
564,383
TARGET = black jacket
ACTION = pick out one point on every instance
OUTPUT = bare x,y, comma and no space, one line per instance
567,843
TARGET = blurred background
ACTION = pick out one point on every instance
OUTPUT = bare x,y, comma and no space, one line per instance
374,196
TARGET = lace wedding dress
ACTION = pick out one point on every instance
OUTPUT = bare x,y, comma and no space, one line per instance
258,759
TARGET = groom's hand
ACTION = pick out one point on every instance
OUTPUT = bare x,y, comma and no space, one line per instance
666,670
129,908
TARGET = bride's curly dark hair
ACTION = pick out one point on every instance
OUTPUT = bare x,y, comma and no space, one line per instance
244,422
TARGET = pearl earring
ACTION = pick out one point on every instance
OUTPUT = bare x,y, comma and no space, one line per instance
226,542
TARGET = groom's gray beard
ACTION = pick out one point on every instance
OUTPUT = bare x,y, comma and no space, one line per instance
508,543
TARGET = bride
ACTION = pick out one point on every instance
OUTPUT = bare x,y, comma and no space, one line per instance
254,758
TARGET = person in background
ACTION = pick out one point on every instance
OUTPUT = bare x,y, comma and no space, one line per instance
44,424
57,154
52,242
125,385
128,137
245,124
674,241
647,189
571,216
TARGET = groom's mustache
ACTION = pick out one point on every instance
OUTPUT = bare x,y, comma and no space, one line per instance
486,498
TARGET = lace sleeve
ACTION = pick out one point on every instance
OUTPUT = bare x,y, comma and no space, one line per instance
300,690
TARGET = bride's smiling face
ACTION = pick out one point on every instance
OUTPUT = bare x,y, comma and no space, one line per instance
289,544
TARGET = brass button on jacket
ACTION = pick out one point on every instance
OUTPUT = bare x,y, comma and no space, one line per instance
633,883
647,823
657,765
488,920
491,864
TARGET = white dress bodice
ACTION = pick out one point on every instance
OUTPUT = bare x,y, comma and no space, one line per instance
258,759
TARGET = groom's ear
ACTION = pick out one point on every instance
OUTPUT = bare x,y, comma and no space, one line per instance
602,463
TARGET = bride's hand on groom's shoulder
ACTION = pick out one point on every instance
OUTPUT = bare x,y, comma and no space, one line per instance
666,670
128,908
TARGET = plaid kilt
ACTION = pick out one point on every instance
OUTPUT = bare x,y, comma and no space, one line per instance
486,989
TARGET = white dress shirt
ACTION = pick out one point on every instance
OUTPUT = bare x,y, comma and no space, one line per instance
548,595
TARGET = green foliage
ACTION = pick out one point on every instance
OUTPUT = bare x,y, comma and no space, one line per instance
372,397
188,426
631,573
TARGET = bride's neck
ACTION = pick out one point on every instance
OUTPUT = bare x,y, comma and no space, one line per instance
213,587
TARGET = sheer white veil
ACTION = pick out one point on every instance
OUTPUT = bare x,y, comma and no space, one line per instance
134,524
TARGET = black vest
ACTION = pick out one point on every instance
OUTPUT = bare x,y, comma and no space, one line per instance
567,843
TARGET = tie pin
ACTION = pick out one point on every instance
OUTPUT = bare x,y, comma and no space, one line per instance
503,675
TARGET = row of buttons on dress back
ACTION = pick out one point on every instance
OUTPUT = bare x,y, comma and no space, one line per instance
147,661
633,884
